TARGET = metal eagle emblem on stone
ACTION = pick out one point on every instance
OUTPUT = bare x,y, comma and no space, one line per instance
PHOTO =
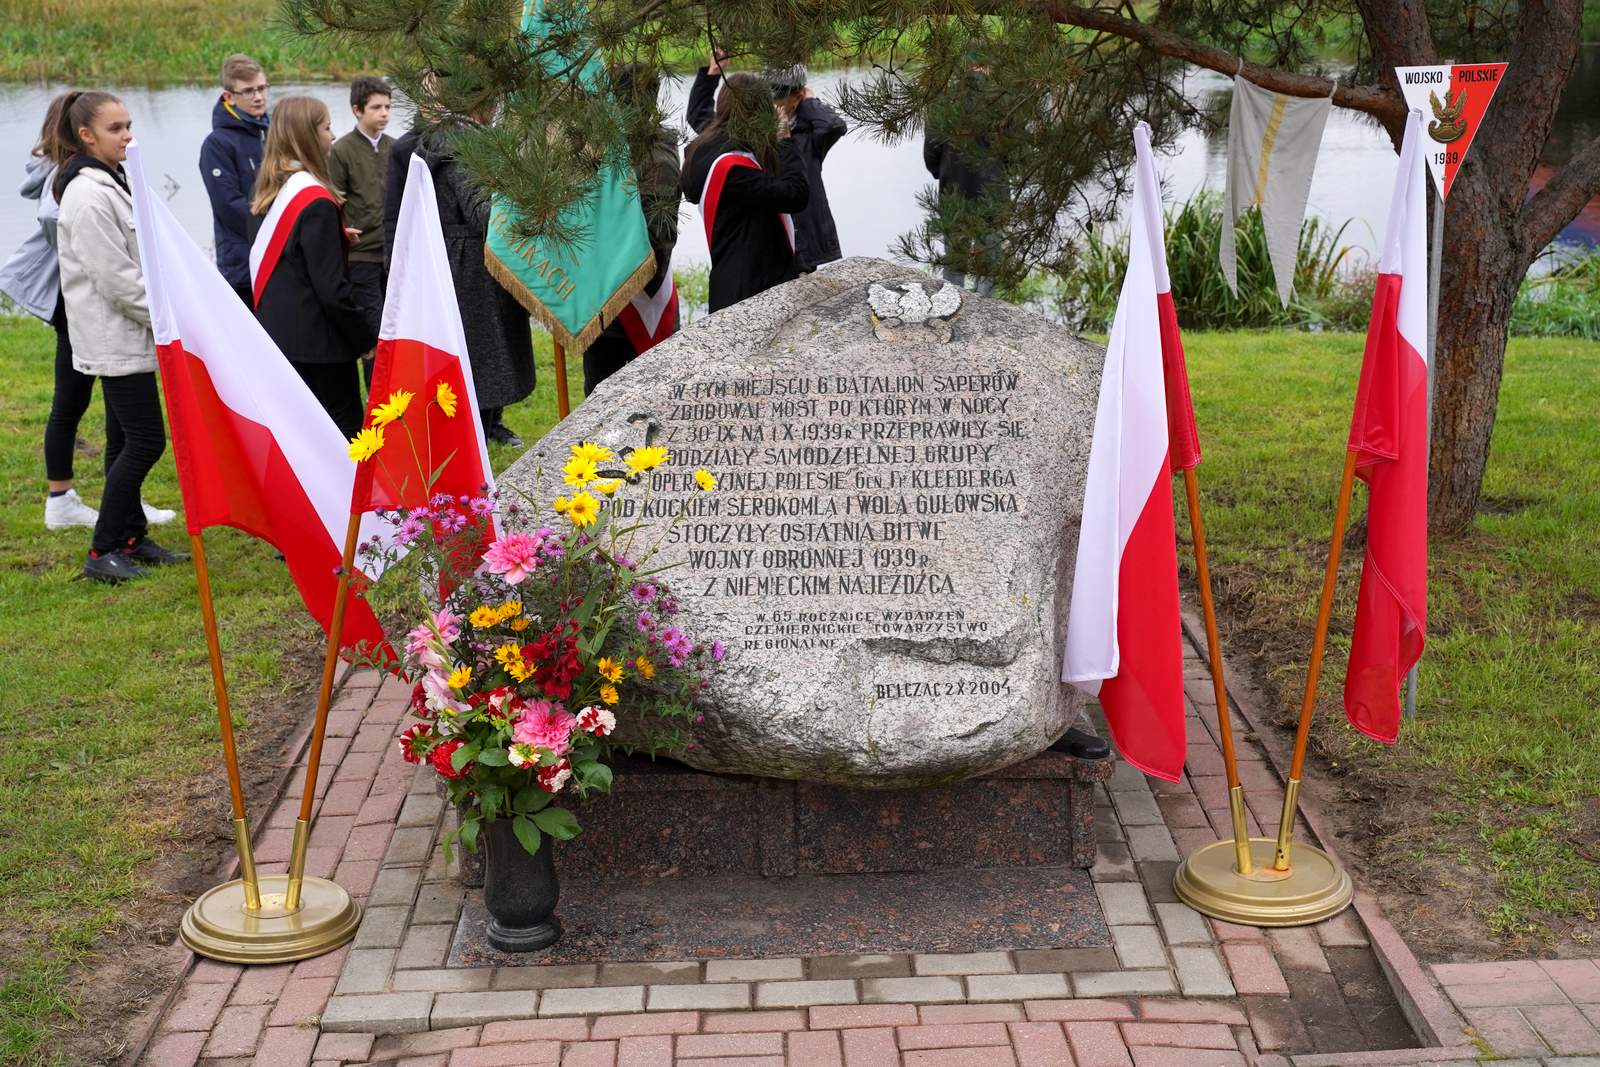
906,312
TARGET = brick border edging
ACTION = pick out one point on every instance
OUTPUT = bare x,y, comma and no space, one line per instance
1424,1007
141,1031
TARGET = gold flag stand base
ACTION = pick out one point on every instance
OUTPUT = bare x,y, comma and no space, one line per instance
218,926
1313,889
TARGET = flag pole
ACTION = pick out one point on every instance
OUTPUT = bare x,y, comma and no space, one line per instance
230,754
1319,642
1257,886
562,404
330,663
1435,260
1202,570
251,919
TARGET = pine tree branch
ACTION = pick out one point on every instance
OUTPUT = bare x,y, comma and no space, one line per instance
1559,202
1379,103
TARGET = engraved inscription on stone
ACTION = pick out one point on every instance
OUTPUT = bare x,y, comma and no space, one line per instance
887,553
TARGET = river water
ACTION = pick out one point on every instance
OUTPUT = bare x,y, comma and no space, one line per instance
872,187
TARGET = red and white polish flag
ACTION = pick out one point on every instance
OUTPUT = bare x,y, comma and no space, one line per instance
1389,435
711,194
421,346
253,448
1123,628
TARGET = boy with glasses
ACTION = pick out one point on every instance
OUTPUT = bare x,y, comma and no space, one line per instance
229,159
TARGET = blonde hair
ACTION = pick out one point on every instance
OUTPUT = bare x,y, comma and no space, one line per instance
292,144
238,68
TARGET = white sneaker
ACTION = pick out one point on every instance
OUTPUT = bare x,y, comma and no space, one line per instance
156,516
68,510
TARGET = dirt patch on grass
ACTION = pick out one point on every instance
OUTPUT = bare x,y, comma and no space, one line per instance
132,967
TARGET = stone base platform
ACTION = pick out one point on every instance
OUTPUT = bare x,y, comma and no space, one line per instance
751,917
664,820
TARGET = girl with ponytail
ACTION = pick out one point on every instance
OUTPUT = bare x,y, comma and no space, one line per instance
299,272
108,320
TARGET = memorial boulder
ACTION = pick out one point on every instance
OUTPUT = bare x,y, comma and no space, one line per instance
889,551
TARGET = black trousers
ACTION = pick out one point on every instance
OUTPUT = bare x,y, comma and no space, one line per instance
135,402
71,399
338,389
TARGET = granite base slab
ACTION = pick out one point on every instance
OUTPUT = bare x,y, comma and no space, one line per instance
663,819
751,917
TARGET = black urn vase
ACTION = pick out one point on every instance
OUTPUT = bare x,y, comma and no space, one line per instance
519,891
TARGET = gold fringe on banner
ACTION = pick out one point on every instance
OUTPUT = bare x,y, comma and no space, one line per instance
575,344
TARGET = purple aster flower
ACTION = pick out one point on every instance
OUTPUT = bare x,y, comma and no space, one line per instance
440,500
425,514
452,522
645,622
408,530
718,650
481,505
644,592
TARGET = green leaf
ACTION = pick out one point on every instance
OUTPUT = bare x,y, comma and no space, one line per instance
469,833
526,832
559,823
525,798
595,776
494,757
463,756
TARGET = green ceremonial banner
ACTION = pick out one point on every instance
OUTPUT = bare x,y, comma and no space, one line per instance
577,290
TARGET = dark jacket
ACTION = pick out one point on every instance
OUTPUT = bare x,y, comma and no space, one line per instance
308,306
394,187
229,159
499,336
659,174
750,252
815,130
358,170
963,171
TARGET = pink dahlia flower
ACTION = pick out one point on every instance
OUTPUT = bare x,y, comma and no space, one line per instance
546,725
514,556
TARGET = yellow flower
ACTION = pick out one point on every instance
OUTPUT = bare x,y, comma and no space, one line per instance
520,624
447,399
365,444
509,610
391,409
561,504
609,694
590,452
608,485
583,509
705,480
609,669
648,458
520,671
646,668
483,616
460,677
579,472
506,655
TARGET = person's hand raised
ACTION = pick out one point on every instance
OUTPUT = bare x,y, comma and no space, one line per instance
714,61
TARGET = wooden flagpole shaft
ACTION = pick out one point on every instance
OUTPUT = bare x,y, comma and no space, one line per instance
330,662
1302,737
562,404
230,754
1202,570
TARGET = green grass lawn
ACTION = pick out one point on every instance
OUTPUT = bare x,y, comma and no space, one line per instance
107,708
1491,791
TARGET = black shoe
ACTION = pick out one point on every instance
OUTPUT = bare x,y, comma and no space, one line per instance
145,551
113,567
503,434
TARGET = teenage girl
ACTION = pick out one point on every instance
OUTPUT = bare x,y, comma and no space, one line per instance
298,261
108,322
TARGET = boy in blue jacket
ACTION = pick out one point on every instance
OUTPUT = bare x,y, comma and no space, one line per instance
229,159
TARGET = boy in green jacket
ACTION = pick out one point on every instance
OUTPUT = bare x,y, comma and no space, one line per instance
358,164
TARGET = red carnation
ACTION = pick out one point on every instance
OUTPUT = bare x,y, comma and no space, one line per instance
441,760
415,741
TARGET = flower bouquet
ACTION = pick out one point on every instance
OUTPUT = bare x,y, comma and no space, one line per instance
539,652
